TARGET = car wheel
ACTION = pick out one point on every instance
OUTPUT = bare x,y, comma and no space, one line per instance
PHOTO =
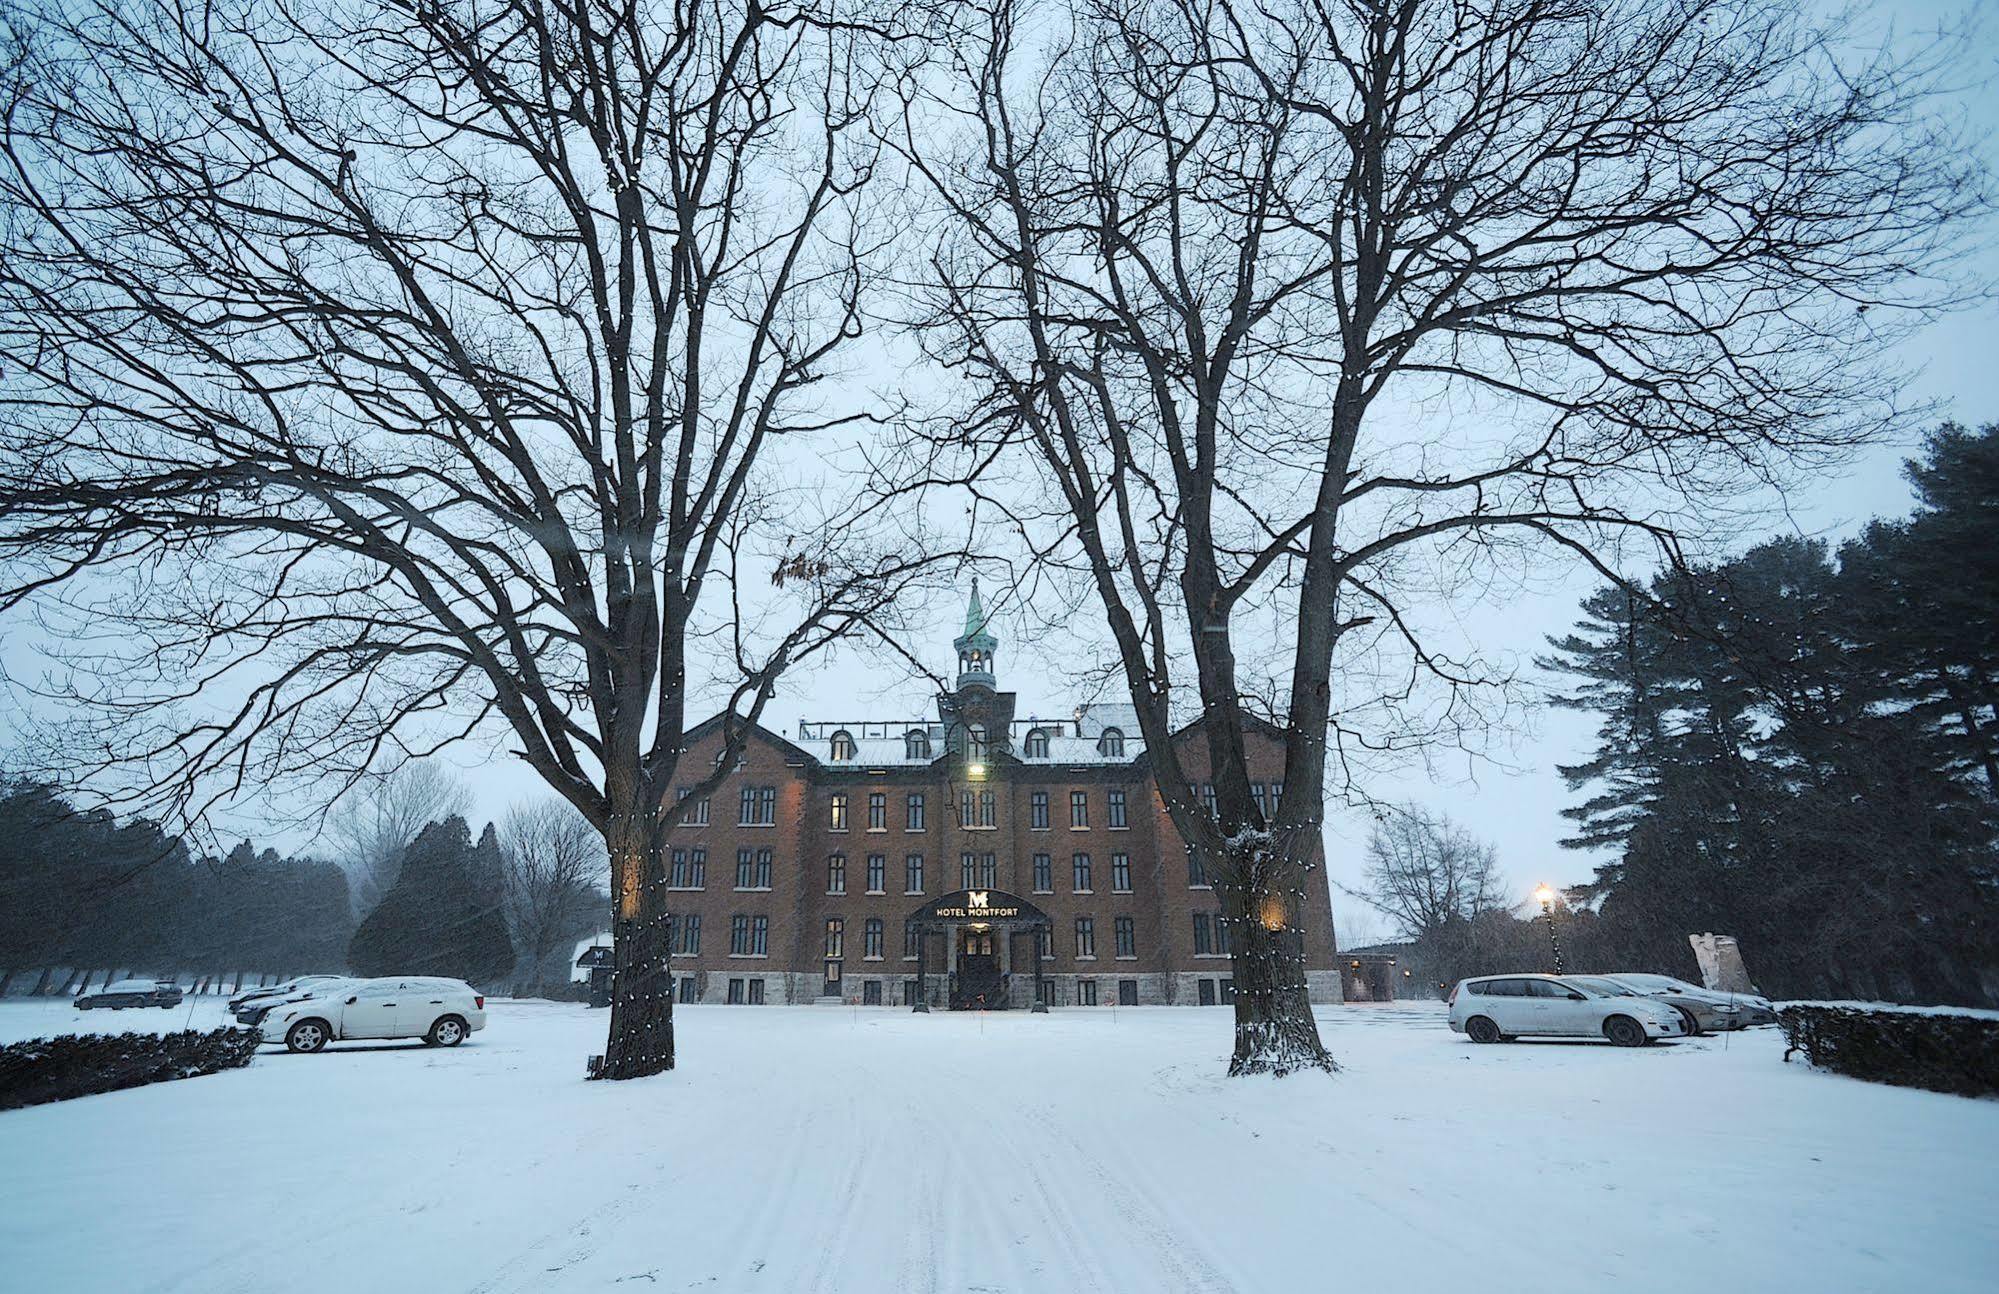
1691,1021
449,1031
306,1035
1624,1031
1480,1029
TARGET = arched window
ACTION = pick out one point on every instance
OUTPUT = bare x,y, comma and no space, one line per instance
1037,743
1111,743
916,744
975,743
843,744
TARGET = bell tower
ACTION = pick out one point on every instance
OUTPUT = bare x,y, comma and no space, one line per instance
976,646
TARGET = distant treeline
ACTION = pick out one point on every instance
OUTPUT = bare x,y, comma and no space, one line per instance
1800,747
81,892
82,895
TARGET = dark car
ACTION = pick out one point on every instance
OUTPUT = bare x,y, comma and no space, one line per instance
131,992
264,998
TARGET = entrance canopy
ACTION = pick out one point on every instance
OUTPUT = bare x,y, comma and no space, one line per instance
979,907
979,910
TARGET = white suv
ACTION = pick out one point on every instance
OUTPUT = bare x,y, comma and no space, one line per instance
442,1012
1494,1008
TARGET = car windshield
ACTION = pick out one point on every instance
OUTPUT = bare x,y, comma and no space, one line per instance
1602,987
1655,984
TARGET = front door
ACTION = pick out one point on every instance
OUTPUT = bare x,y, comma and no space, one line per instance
372,1013
979,977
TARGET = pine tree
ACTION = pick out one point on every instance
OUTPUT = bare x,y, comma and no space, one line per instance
440,917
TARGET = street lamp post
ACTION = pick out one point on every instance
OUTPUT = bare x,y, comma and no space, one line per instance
1547,898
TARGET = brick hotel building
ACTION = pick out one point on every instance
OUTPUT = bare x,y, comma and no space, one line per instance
977,858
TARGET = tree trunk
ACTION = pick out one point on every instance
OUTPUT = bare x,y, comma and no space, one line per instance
641,1041
1275,1032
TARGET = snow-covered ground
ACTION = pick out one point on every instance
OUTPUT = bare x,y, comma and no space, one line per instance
807,1148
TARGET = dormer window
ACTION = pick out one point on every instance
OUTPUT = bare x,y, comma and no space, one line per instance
916,744
843,745
1037,743
975,743
1111,743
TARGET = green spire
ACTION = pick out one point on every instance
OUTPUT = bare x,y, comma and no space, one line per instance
975,615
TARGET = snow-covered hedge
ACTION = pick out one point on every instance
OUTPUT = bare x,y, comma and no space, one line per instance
1942,1051
58,1069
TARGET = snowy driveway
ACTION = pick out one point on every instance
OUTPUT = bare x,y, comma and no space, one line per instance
802,1149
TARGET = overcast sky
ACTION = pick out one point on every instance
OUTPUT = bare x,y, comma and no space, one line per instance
1513,800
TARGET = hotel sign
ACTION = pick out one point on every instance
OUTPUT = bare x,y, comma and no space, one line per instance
981,905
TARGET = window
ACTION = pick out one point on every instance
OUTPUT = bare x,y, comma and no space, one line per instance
1256,795
912,874
1086,992
988,870
836,938
1276,797
763,869
877,811
877,873
1037,743
967,808
1044,874
1197,871
916,744
688,869
1117,821
758,807
1121,873
843,745
1079,808
1204,940
836,874
1547,988
1037,811
756,992
1126,935
1208,797
1111,743
871,939
988,809
1221,934
871,993
1086,937
1046,938
1080,873
690,935
1127,992
745,933
838,821
688,992
913,812
912,942
1207,991
759,936
746,869
966,878
697,814
975,743
735,992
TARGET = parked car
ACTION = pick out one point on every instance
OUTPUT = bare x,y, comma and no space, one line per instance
1698,1014
131,992
253,1010
284,989
1495,1008
442,1012
1747,1008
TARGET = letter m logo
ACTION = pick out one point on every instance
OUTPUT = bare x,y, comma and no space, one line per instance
975,898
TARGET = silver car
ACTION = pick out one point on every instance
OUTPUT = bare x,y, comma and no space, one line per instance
1710,1010
1495,1008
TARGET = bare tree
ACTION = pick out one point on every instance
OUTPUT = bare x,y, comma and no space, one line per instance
376,821
553,862
379,374
1211,270
1426,873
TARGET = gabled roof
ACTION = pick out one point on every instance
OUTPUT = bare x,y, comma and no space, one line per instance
757,730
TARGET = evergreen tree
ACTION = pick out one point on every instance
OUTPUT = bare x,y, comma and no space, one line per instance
442,916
